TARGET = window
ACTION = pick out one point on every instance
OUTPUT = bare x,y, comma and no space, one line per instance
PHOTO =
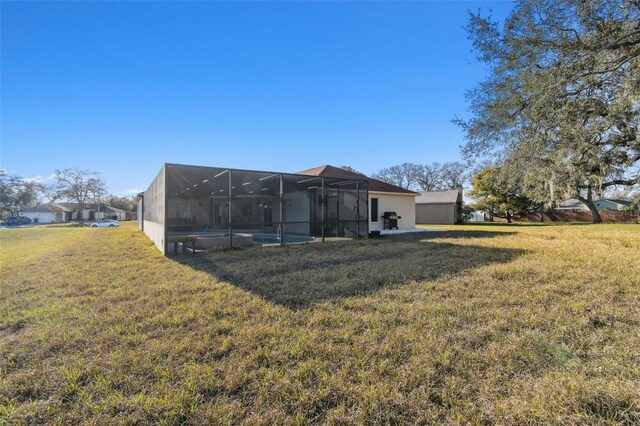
374,210
179,209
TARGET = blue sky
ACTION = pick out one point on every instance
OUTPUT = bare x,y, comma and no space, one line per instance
123,87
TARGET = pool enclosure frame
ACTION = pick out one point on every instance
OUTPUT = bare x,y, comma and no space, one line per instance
198,201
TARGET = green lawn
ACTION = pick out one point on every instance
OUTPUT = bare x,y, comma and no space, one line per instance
479,324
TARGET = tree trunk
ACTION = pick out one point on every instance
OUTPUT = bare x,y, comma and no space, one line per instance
81,214
508,216
592,207
491,214
541,213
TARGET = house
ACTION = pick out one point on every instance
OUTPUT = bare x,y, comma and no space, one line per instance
110,212
213,206
571,205
603,204
439,207
47,213
65,212
383,197
92,212
476,216
614,204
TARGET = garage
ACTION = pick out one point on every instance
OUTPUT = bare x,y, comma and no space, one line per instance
46,213
439,207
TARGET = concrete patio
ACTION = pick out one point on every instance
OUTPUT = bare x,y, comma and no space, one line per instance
407,230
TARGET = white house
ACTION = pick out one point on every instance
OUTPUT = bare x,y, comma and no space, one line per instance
47,213
107,212
383,197
477,216
92,212
65,212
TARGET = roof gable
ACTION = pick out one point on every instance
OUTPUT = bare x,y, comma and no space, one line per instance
570,203
74,207
574,203
375,185
449,196
46,208
616,201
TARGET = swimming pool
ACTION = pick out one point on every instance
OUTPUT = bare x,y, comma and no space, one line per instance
207,240
264,239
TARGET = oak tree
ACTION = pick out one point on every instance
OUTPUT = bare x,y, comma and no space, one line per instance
495,193
405,175
562,96
79,186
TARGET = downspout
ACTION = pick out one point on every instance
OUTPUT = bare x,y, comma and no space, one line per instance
368,209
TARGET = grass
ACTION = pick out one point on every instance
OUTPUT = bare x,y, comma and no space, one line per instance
479,324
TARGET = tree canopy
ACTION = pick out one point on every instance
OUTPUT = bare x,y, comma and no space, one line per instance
122,203
16,193
499,196
428,177
405,175
350,169
79,186
561,105
453,174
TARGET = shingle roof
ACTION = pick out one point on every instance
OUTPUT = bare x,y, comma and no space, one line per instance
375,185
617,201
570,203
46,208
113,209
72,207
438,197
574,203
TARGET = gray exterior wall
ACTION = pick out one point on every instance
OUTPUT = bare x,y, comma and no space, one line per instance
155,211
436,213
156,233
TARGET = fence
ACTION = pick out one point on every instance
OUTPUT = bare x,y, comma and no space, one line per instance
560,216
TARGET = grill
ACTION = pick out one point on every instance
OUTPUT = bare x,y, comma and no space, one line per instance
390,220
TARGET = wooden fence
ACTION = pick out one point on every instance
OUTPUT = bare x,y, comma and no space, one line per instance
560,216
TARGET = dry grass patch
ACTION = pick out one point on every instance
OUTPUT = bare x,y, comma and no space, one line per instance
479,324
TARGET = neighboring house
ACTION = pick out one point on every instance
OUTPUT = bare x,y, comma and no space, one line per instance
91,211
439,207
65,212
477,216
603,204
47,213
612,204
571,205
383,197
214,206
110,212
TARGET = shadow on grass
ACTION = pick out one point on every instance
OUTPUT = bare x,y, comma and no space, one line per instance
455,233
526,224
301,275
